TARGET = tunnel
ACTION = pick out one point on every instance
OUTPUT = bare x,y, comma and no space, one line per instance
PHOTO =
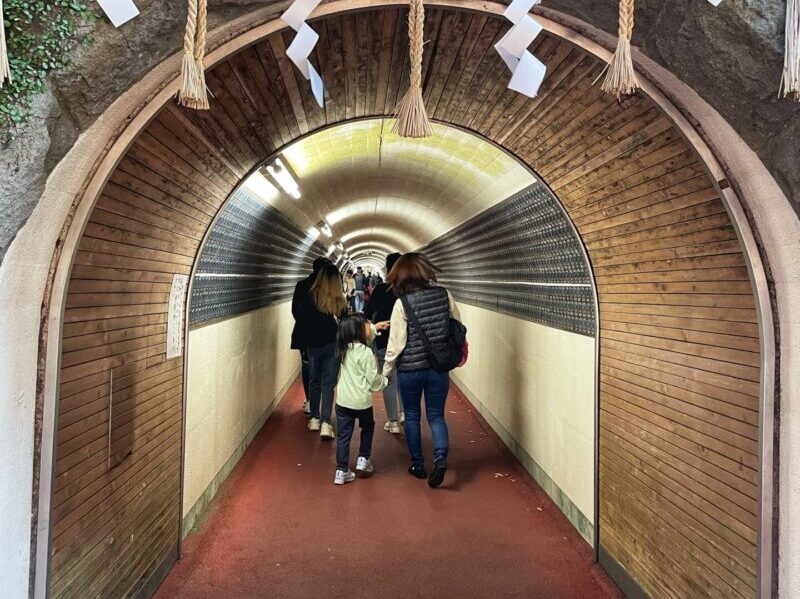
620,396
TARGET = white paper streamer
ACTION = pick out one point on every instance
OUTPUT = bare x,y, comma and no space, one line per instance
303,44
527,72
119,11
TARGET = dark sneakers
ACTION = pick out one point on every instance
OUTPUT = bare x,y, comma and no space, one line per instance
417,472
437,476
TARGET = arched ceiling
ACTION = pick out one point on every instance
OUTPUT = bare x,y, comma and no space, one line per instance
679,345
382,193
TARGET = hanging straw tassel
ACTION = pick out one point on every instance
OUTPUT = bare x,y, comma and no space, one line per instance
5,67
412,120
193,88
200,54
620,77
790,82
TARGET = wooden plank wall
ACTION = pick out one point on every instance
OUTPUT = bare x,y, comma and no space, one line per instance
679,338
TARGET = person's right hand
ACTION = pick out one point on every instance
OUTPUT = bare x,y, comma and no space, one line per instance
383,326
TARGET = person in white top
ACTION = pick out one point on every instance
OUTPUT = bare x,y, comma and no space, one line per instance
413,279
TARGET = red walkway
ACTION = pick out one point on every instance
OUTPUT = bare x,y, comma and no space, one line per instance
280,528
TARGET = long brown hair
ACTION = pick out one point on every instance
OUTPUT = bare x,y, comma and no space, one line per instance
411,272
327,291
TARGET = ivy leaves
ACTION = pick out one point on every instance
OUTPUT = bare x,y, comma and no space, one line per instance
40,35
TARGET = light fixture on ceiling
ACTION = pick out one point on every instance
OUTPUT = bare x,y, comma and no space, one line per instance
325,228
313,233
340,246
284,178
331,249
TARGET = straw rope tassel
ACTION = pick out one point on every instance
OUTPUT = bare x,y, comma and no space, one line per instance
5,67
193,91
620,77
199,55
790,82
412,120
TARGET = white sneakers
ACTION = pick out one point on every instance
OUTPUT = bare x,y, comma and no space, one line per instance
392,427
364,468
326,431
342,477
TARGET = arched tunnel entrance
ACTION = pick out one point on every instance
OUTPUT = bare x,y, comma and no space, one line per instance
681,503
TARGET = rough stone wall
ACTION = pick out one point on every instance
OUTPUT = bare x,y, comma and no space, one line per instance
731,55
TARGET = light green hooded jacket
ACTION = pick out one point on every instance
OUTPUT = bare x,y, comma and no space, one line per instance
359,377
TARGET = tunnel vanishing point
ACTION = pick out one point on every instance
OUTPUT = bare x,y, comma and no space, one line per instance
628,270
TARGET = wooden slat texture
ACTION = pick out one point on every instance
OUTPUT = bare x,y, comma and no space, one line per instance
679,362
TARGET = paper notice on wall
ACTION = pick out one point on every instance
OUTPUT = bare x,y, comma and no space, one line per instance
119,11
175,316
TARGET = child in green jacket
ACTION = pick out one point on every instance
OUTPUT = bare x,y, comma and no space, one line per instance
358,380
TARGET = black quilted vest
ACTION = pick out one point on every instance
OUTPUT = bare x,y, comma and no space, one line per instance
432,308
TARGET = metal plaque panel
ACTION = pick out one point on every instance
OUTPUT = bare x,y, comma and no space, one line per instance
252,258
523,258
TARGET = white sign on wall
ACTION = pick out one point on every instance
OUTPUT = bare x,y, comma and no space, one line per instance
177,306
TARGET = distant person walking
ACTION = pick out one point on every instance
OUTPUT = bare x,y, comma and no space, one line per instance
300,303
349,288
379,310
413,280
360,282
326,308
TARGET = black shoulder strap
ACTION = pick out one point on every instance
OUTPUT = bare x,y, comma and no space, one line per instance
417,327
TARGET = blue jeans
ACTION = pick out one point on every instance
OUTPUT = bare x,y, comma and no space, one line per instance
358,301
324,370
435,386
306,372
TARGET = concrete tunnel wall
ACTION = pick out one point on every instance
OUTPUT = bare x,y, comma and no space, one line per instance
238,369
762,217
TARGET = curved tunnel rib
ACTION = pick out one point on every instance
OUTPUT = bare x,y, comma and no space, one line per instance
679,394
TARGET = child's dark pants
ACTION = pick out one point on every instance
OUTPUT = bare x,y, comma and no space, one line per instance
345,423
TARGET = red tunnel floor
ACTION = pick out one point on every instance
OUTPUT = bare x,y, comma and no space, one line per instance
280,528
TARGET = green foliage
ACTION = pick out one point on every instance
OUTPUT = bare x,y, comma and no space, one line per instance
39,35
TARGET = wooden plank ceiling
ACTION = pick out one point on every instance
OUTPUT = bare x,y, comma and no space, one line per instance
679,338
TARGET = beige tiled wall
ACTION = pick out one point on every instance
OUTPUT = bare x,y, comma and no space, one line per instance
235,374
538,384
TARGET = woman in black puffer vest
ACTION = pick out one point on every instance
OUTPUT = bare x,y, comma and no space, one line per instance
413,278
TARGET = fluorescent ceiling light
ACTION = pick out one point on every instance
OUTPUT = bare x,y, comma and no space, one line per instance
281,174
325,228
262,188
313,232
